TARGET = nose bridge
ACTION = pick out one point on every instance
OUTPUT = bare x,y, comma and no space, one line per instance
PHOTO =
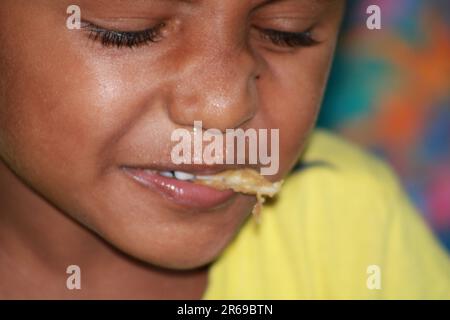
217,85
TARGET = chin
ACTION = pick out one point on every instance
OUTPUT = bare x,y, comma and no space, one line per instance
181,254
182,246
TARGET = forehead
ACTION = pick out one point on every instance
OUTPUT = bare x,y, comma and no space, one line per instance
129,4
152,8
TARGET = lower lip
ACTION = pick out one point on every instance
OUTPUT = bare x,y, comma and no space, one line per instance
183,193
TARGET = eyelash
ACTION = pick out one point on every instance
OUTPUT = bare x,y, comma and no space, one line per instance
289,39
132,39
119,39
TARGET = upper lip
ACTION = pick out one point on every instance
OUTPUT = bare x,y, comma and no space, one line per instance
196,169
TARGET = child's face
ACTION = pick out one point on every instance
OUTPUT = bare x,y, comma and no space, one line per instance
74,112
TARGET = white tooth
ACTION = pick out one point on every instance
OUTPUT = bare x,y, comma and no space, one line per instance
180,175
167,174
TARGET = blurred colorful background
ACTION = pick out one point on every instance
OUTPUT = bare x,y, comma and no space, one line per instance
389,91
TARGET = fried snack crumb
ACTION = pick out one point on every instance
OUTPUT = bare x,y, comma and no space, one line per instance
246,181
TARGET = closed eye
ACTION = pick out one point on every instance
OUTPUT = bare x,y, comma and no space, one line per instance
132,39
288,39
119,39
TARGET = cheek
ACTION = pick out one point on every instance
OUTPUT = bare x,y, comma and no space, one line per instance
41,115
58,104
293,95
55,119
58,121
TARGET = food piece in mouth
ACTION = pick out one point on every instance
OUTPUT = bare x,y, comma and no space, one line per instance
247,181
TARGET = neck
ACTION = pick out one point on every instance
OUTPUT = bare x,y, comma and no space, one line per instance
38,243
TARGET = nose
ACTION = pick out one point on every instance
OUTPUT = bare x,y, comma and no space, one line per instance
216,85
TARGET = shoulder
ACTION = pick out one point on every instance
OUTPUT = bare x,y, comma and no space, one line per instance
338,215
336,177
347,210
343,159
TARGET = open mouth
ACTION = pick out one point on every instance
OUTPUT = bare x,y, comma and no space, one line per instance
203,190
178,187
179,175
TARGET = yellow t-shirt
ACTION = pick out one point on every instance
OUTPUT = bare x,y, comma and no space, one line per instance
341,228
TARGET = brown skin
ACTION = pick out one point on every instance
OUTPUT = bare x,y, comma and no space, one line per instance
72,112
